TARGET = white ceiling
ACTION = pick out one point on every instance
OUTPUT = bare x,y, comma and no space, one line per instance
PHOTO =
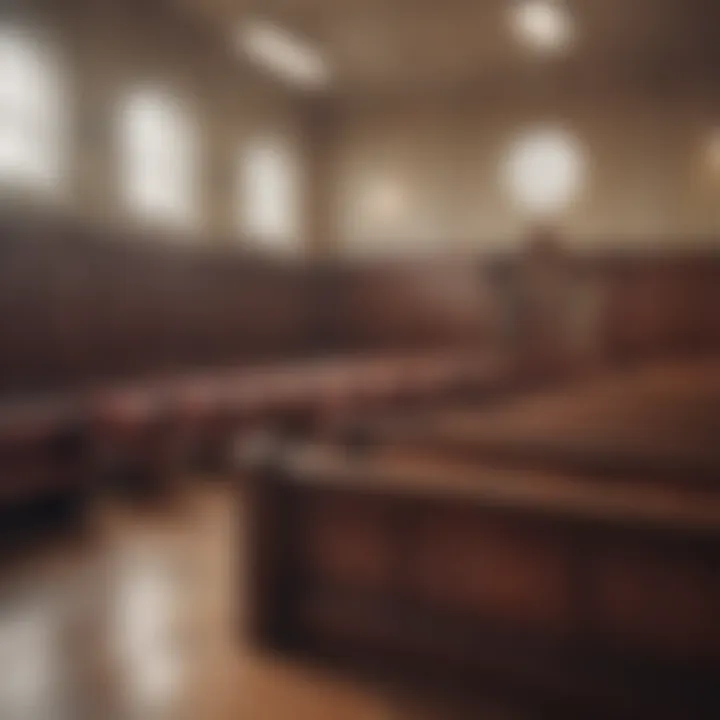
428,46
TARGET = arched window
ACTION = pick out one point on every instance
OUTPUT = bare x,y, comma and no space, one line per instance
159,159
31,112
268,188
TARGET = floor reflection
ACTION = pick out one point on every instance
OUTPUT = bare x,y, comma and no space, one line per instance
138,618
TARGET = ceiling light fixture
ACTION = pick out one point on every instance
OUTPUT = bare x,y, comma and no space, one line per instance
544,171
542,24
287,56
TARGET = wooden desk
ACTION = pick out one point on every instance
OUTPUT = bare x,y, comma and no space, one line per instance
658,424
600,599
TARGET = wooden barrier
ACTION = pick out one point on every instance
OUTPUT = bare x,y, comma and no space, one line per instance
599,600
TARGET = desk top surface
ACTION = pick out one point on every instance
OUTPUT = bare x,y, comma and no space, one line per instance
659,415
541,494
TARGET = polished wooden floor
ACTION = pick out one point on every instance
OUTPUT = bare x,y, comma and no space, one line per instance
137,618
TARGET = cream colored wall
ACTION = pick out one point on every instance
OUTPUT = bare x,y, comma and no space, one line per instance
647,179
110,47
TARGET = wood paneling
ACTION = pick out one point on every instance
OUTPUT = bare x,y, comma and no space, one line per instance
611,612
662,304
408,303
78,306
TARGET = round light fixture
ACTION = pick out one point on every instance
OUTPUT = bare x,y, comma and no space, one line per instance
542,24
544,171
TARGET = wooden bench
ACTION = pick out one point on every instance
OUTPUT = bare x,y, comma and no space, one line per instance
43,456
158,426
145,433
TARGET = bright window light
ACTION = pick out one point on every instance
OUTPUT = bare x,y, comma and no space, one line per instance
31,111
159,159
542,24
268,189
544,171
277,50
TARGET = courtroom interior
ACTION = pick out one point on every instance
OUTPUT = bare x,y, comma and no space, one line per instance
359,359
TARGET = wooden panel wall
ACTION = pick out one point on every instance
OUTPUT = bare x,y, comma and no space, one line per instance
78,305
408,303
661,304
616,305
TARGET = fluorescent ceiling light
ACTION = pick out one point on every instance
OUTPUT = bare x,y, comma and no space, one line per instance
283,54
542,24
